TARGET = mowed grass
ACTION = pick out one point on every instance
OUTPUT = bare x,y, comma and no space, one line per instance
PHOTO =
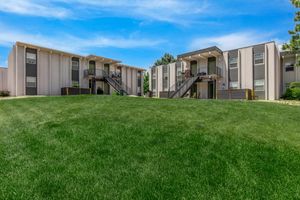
103,147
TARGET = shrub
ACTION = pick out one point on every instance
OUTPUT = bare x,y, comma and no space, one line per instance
293,92
295,85
4,93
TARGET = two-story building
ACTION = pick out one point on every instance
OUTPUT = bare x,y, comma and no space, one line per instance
36,70
254,72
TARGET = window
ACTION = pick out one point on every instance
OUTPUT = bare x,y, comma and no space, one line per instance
179,75
233,60
259,85
30,58
92,67
289,67
31,82
234,85
153,84
75,72
165,77
259,58
139,78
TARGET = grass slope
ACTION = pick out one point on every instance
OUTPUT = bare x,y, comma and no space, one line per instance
102,147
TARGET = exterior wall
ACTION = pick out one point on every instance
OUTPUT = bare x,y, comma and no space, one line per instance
20,74
11,72
244,73
273,71
159,78
289,76
3,79
134,81
172,74
54,71
246,61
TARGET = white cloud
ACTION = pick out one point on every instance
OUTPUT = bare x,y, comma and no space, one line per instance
174,11
34,8
72,43
231,41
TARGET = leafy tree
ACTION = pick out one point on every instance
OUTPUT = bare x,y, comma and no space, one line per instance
166,59
294,45
146,83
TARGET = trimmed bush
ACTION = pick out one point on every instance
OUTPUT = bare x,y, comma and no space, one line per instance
293,92
4,93
295,85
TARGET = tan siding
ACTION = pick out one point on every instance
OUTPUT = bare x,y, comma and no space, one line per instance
172,74
129,80
134,81
11,72
20,75
3,79
43,71
246,68
55,87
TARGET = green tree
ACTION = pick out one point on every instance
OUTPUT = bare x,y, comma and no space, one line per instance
146,83
294,45
166,59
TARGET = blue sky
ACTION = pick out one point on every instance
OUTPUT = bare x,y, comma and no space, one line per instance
139,31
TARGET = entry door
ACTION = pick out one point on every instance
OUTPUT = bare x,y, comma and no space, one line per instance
106,88
194,91
211,90
193,68
212,65
106,69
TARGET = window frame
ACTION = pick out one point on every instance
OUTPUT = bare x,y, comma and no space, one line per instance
255,59
35,81
32,60
260,85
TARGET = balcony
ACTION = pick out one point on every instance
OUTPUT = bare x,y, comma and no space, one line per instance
101,74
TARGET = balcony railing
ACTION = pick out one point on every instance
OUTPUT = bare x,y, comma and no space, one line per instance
217,71
100,74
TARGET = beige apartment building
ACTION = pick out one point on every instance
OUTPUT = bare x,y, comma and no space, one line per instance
255,72
35,70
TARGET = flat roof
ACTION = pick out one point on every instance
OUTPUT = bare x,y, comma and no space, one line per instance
47,49
128,66
206,50
251,46
104,59
108,60
288,53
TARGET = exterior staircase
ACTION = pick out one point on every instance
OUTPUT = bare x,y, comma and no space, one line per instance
116,85
184,87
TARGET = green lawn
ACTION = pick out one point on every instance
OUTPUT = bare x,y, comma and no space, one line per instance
103,147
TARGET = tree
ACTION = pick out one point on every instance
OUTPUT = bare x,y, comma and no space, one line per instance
146,83
166,59
294,45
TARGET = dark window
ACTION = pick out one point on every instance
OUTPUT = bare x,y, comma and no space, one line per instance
179,75
153,81
31,71
165,77
92,67
75,72
212,65
289,68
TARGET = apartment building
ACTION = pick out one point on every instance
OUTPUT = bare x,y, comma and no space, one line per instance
254,72
36,70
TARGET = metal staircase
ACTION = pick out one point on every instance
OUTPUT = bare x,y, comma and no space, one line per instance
184,87
116,85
